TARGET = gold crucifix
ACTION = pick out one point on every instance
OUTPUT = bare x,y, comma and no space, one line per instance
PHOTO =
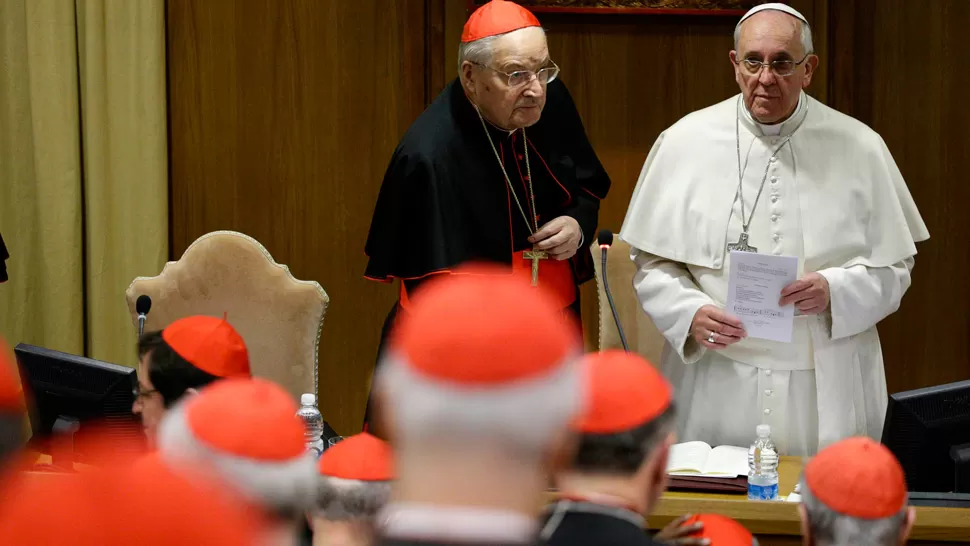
535,255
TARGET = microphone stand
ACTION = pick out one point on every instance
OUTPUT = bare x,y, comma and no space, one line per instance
609,298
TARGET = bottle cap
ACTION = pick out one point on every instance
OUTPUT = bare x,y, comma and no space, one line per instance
308,399
763,431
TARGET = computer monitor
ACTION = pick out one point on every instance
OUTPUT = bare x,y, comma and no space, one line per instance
72,394
929,432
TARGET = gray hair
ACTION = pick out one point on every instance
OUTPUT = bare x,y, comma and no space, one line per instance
477,52
350,500
806,35
830,528
480,51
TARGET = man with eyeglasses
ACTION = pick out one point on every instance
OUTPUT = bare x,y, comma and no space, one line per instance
180,360
773,171
497,169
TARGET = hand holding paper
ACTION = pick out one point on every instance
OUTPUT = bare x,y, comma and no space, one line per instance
810,294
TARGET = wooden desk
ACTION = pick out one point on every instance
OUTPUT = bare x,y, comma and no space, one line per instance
777,523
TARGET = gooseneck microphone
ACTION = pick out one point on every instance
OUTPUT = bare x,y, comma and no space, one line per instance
142,306
605,240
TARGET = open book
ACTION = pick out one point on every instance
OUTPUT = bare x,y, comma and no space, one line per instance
700,459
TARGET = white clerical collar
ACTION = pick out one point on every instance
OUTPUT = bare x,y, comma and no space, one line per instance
456,524
775,129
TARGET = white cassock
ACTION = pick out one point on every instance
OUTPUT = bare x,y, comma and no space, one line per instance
834,198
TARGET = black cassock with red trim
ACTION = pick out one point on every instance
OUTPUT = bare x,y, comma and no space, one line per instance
444,200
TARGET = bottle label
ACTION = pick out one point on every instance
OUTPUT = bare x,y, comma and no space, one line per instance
762,492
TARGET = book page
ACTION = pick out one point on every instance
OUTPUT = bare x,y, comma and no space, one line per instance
727,461
688,457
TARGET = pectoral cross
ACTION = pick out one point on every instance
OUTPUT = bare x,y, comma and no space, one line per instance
742,244
535,255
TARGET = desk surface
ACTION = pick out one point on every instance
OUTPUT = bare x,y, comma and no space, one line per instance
781,518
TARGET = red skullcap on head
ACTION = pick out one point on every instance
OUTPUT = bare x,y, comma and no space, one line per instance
361,457
210,344
625,392
857,477
721,530
250,418
484,329
497,17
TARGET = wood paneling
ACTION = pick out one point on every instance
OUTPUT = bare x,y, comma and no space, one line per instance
896,68
283,115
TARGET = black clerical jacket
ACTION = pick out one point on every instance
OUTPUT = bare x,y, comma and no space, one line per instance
444,200
586,528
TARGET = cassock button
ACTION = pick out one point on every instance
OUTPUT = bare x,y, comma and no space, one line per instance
774,198
769,392
776,237
767,372
774,217
773,159
767,411
774,179
521,157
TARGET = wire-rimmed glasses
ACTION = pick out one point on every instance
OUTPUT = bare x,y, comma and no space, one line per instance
782,68
524,77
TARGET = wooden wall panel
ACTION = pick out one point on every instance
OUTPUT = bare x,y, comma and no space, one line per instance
896,68
283,117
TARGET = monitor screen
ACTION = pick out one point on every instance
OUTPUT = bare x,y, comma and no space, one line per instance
922,427
64,388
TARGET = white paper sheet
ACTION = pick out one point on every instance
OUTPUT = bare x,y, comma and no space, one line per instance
754,289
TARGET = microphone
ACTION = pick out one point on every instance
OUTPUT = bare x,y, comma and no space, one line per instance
605,240
142,306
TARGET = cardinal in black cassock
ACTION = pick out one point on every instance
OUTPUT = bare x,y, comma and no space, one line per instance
497,169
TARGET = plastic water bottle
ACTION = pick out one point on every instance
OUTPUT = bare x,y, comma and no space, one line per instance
313,421
763,467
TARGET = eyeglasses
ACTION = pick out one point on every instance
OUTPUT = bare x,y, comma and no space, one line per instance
753,67
139,394
523,77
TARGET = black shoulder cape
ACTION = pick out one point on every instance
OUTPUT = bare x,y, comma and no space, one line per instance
444,200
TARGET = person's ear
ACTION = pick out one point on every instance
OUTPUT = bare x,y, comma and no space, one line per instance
467,76
811,63
562,452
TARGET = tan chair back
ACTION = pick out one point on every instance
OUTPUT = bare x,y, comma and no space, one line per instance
224,272
641,334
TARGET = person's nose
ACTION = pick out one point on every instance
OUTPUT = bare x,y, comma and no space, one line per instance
767,76
534,89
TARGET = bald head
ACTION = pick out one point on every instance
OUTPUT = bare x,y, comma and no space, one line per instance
773,62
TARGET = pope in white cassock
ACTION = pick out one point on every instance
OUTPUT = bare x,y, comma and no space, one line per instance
774,171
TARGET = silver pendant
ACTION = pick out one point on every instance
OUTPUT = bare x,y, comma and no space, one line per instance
742,245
